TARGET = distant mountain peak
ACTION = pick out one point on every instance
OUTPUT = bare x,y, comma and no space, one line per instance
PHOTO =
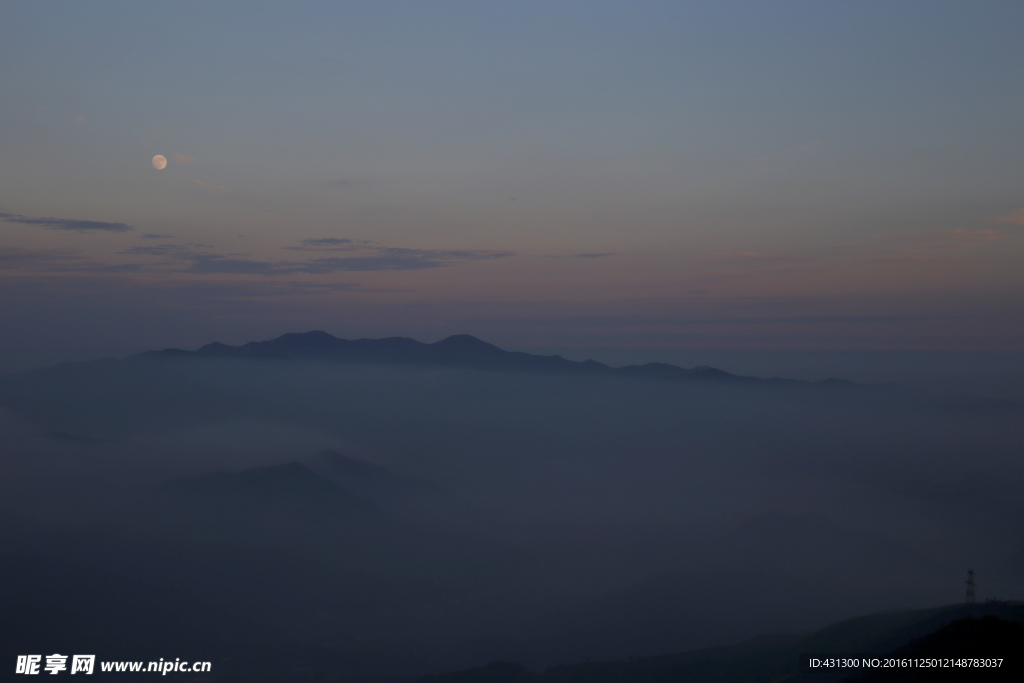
212,347
467,344
311,336
466,340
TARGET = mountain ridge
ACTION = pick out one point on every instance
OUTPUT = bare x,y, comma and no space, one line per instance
459,351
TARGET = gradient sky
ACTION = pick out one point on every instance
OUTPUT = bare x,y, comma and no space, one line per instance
585,175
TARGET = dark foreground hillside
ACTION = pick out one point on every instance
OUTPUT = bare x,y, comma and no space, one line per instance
968,649
990,630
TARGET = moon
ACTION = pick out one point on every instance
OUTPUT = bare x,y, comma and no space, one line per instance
159,162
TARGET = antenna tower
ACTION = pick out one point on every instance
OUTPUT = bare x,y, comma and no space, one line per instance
970,586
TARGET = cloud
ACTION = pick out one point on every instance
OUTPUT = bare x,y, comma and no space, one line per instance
215,263
195,258
956,239
217,187
156,236
1013,218
333,286
16,257
256,289
907,248
906,257
589,255
183,159
57,261
173,250
109,268
225,296
330,244
376,259
384,259
395,258
324,241
67,224
924,245
971,238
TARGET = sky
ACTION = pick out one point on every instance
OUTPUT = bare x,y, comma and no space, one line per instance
604,179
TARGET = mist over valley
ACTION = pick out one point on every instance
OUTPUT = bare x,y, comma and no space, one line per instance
405,508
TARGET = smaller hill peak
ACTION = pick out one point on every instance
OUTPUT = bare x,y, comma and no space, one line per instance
213,348
461,339
465,341
312,335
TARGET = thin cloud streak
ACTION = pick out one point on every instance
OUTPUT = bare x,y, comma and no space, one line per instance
67,224
179,251
14,257
586,255
954,239
908,248
378,259
330,244
56,261
326,241
183,292
387,259
1013,218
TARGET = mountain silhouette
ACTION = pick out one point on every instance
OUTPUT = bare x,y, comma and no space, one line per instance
456,351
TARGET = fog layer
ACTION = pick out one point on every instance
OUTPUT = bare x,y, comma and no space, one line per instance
400,520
